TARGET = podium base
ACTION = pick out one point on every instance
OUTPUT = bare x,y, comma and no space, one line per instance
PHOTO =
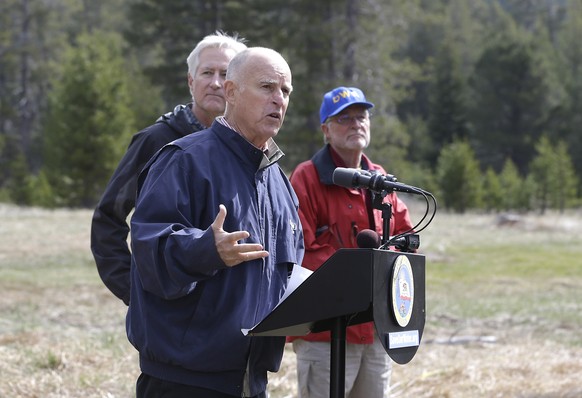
337,383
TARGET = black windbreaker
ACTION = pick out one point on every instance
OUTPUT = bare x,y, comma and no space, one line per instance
109,227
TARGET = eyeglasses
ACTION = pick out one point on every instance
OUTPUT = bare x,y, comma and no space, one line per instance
346,120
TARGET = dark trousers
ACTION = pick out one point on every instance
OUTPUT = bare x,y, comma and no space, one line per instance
152,387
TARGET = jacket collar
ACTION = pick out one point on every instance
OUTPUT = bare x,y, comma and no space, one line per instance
324,163
244,149
182,120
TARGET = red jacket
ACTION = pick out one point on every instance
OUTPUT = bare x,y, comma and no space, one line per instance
332,216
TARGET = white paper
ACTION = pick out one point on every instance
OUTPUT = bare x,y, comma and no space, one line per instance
298,275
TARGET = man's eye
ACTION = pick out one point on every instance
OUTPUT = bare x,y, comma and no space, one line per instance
347,119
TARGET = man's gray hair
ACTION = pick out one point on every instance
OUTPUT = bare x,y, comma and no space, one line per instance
218,39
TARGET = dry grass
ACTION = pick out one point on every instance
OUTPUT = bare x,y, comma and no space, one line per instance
504,310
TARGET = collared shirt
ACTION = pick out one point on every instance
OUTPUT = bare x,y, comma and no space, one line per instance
271,152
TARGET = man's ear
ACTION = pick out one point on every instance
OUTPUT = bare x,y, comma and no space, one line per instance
325,131
191,84
229,91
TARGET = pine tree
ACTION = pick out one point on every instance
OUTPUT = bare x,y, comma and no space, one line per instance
510,99
543,173
448,115
459,177
566,180
90,120
512,185
570,71
553,173
492,192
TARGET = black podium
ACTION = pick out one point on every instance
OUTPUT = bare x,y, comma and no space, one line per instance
351,287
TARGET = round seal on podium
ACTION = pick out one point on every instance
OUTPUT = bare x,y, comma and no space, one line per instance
402,290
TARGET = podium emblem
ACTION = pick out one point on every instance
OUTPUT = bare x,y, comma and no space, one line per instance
402,290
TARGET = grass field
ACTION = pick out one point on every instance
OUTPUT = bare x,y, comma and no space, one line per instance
504,311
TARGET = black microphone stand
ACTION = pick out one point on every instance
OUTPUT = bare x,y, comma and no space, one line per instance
340,324
386,209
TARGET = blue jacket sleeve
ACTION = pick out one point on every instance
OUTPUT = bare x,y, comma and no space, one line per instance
172,241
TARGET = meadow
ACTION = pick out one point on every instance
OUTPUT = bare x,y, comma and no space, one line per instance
503,300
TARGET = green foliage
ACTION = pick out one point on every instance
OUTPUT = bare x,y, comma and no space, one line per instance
165,33
25,188
145,99
502,72
553,173
388,139
51,361
492,192
17,186
510,104
448,116
32,35
40,192
8,66
420,144
458,176
566,178
543,173
418,176
515,195
90,119
569,65
424,35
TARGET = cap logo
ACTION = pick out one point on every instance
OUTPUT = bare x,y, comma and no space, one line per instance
344,94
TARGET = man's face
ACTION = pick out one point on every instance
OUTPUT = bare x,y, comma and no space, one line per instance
206,85
261,101
349,130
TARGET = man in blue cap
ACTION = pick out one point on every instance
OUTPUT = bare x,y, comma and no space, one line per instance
331,217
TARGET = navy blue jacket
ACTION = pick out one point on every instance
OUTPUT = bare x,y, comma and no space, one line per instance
187,308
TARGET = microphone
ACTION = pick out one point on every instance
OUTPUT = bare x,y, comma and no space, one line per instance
368,239
352,178
406,243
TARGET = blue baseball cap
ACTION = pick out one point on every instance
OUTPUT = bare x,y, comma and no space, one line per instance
339,99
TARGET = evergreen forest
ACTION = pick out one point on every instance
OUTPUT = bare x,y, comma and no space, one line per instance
476,101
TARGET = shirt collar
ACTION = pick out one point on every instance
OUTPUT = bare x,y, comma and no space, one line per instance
271,152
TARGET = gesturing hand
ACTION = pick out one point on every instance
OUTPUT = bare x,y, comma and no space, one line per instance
229,250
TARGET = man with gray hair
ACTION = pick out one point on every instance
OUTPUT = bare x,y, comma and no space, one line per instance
207,65
331,217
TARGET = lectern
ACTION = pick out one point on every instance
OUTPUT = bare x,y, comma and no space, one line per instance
355,286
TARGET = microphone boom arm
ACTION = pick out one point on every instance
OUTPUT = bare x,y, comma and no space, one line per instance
386,209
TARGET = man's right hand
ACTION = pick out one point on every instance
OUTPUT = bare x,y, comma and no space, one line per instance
230,251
